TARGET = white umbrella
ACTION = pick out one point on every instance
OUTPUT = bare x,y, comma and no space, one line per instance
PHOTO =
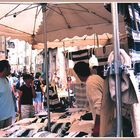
104,39
63,20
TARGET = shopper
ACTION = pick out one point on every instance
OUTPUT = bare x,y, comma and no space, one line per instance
94,85
26,95
38,100
7,110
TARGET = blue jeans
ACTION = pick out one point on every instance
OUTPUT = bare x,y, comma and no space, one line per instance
38,98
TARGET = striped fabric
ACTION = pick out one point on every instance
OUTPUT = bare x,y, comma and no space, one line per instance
76,134
132,21
54,101
84,55
80,95
55,105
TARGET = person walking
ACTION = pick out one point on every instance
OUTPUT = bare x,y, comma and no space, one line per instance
7,110
38,100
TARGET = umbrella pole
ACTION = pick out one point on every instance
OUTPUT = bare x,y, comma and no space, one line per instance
46,62
117,64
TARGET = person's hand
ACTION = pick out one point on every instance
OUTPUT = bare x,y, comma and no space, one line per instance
18,116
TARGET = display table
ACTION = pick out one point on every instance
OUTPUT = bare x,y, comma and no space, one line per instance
68,124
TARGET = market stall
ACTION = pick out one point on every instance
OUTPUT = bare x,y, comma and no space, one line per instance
46,124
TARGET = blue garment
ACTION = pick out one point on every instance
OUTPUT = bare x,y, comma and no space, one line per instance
38,98
6,101
37,85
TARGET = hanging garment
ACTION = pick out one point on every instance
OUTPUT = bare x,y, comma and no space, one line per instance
132,21
135,112
131,12
128,92
55,104
107,116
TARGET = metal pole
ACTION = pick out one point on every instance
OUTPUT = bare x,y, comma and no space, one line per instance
25,57
68,82
117,64
31,61
46,61
5,48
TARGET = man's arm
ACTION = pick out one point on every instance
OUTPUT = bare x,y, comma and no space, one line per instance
19,101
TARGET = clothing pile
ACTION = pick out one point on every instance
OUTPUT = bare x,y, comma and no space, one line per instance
73,123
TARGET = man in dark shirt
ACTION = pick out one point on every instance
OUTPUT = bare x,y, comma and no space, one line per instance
26,95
